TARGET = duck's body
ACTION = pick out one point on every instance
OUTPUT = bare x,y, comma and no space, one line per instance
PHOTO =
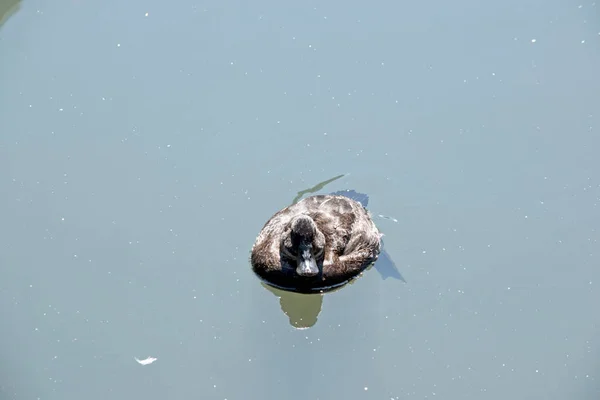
318,243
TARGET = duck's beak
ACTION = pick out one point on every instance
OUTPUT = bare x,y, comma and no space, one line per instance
307,265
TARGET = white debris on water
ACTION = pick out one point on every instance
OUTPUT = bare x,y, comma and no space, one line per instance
146,361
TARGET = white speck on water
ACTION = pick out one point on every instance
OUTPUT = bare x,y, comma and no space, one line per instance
583,41
62,219
168,145
118,44
146,14
366,388
533,40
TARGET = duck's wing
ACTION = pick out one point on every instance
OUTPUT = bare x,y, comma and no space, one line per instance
384,265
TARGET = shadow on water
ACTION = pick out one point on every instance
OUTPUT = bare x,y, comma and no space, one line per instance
303,309
315,188
7,9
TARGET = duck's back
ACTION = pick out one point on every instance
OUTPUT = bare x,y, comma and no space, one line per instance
330,204
338,217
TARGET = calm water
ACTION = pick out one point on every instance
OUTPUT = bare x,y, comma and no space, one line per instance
144,144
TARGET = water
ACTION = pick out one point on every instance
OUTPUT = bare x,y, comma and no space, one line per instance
143,145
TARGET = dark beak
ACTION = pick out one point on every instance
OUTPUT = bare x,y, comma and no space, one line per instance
307,265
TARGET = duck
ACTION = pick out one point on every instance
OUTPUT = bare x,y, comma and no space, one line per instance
317,244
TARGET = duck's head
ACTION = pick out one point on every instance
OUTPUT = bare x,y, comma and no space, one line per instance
308,243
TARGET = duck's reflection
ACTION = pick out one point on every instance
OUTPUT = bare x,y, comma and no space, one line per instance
7,9
302,309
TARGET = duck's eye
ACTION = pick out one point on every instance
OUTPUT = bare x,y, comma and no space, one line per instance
289,252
